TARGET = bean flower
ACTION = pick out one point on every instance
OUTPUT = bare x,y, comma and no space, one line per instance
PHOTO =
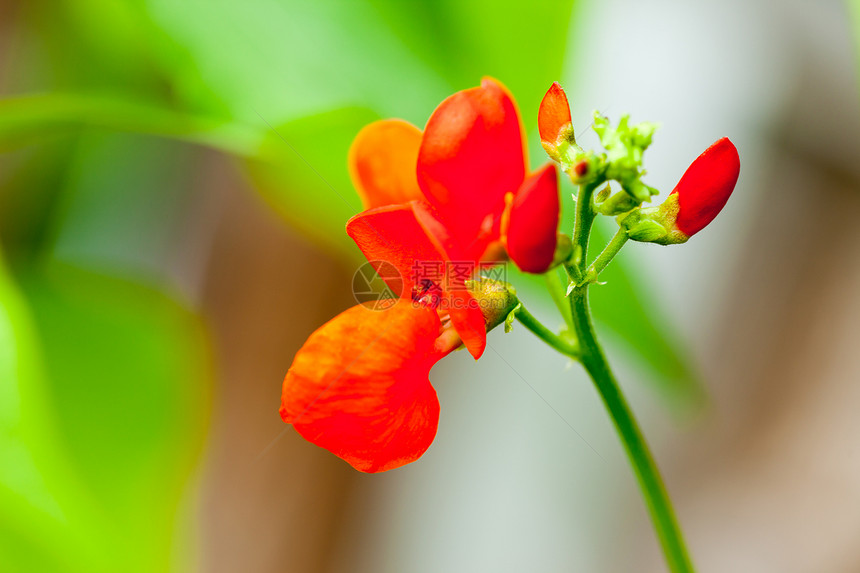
457,195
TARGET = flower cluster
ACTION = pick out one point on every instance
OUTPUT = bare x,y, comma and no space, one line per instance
442,204
696,200
460,191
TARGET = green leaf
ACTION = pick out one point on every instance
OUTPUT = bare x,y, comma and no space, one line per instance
304,175
131,401
464,41
29,119
33,475
293,60
104,402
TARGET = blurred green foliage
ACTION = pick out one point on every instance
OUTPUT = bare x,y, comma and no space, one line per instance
105,399
104,380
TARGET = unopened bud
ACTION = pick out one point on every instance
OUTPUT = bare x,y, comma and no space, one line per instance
706,186
554,122
495,298
698,197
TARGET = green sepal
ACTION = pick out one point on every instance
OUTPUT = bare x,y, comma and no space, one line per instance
509,320
572,156
654,224
647,231
617,204
602,195
496,298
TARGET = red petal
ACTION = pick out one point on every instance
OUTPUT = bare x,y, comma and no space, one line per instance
554,113
408,237
468,321
706,186
359,388
394,235
382,162
471,155
465,312
533,223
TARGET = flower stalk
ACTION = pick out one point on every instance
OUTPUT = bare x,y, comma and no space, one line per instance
538,329
460,193
594,361
606,256
699,196
647,474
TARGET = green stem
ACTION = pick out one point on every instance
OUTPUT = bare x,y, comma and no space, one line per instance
605,257
594,361
584,220
650,482
557,291
529,321
581,230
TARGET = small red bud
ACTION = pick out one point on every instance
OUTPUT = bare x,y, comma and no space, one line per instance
706,185
553,115
532,226
581,168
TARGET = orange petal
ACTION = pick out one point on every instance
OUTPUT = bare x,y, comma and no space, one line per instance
382,162
532,229
472,153
554,114
359,387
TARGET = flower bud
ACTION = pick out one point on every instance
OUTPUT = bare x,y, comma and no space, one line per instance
554,122
696,200
496,299
705,187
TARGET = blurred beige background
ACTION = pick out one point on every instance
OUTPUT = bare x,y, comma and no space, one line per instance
765,479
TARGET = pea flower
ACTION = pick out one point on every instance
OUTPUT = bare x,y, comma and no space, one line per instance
696,200
466,198
456,196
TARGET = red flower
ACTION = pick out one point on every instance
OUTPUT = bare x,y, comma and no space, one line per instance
705,187
454,194
440,196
